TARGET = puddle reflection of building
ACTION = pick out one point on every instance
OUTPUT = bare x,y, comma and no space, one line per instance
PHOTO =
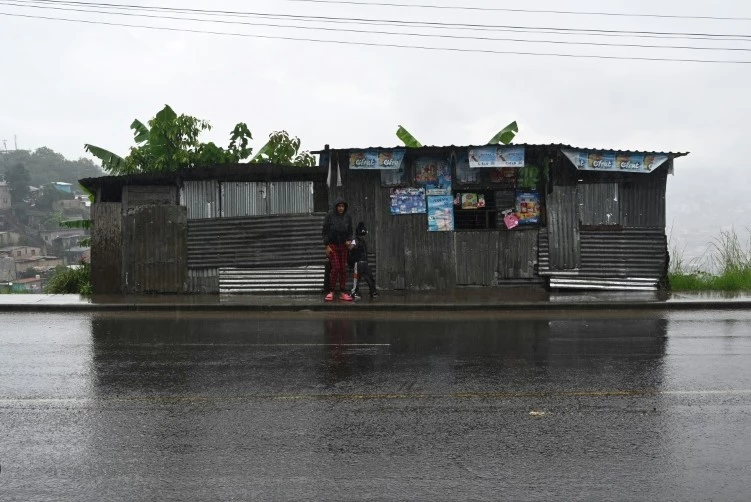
616,351
350,349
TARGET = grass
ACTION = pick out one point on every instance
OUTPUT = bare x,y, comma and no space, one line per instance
725,267
70,281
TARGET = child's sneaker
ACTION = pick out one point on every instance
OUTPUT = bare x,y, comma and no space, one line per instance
356,295
374,294
345,297
329,297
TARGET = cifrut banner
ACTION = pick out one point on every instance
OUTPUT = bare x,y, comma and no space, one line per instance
377,159
441,213
586,160
496,156
407,201
390,159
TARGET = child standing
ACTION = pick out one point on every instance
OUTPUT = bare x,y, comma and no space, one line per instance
359,251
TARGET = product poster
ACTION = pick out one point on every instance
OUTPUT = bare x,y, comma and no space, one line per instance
528,207
441,213
408,201
435,174
472,201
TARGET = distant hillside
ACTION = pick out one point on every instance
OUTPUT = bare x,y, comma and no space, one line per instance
45,165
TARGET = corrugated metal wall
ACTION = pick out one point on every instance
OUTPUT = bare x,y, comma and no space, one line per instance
203,280
599,203
643,204
106,248
256,242
517,255
243,199
154,243
201,198
476,258
306,279
290,197
628,259
261,198
563,229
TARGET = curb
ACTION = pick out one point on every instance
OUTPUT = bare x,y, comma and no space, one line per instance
378,307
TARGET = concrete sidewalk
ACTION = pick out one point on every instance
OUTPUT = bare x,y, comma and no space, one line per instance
506,299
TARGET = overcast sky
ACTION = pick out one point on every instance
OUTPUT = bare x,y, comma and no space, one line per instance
64,84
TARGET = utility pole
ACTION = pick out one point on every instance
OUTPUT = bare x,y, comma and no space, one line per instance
5,145
15,141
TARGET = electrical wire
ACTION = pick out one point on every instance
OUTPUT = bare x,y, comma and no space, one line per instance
393,33
524,11
720,36
374,44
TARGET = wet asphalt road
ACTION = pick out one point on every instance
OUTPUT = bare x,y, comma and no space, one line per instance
534,406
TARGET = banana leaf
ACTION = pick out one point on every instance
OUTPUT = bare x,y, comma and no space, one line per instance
110,161
407,138
141,131
265,148
505,135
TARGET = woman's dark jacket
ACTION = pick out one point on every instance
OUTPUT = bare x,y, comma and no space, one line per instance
337,228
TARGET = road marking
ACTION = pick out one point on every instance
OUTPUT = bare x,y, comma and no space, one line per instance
383,396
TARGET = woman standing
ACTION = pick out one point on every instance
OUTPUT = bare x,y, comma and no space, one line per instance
337,236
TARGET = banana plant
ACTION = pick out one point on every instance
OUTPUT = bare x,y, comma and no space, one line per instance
407,138
505,136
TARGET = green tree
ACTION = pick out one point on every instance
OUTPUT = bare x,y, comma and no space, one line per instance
282,148
18,179
170,142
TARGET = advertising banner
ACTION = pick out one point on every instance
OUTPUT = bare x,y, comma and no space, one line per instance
377,159
496,156
390,159
585,160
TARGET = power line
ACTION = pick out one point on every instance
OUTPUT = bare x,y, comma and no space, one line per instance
721,36
374,44
409,34
525,11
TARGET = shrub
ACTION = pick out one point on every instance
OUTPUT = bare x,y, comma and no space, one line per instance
70,280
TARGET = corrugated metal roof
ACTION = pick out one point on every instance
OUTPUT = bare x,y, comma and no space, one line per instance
543,145
231,172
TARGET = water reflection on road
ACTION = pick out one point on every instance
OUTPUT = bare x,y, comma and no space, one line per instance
175,406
